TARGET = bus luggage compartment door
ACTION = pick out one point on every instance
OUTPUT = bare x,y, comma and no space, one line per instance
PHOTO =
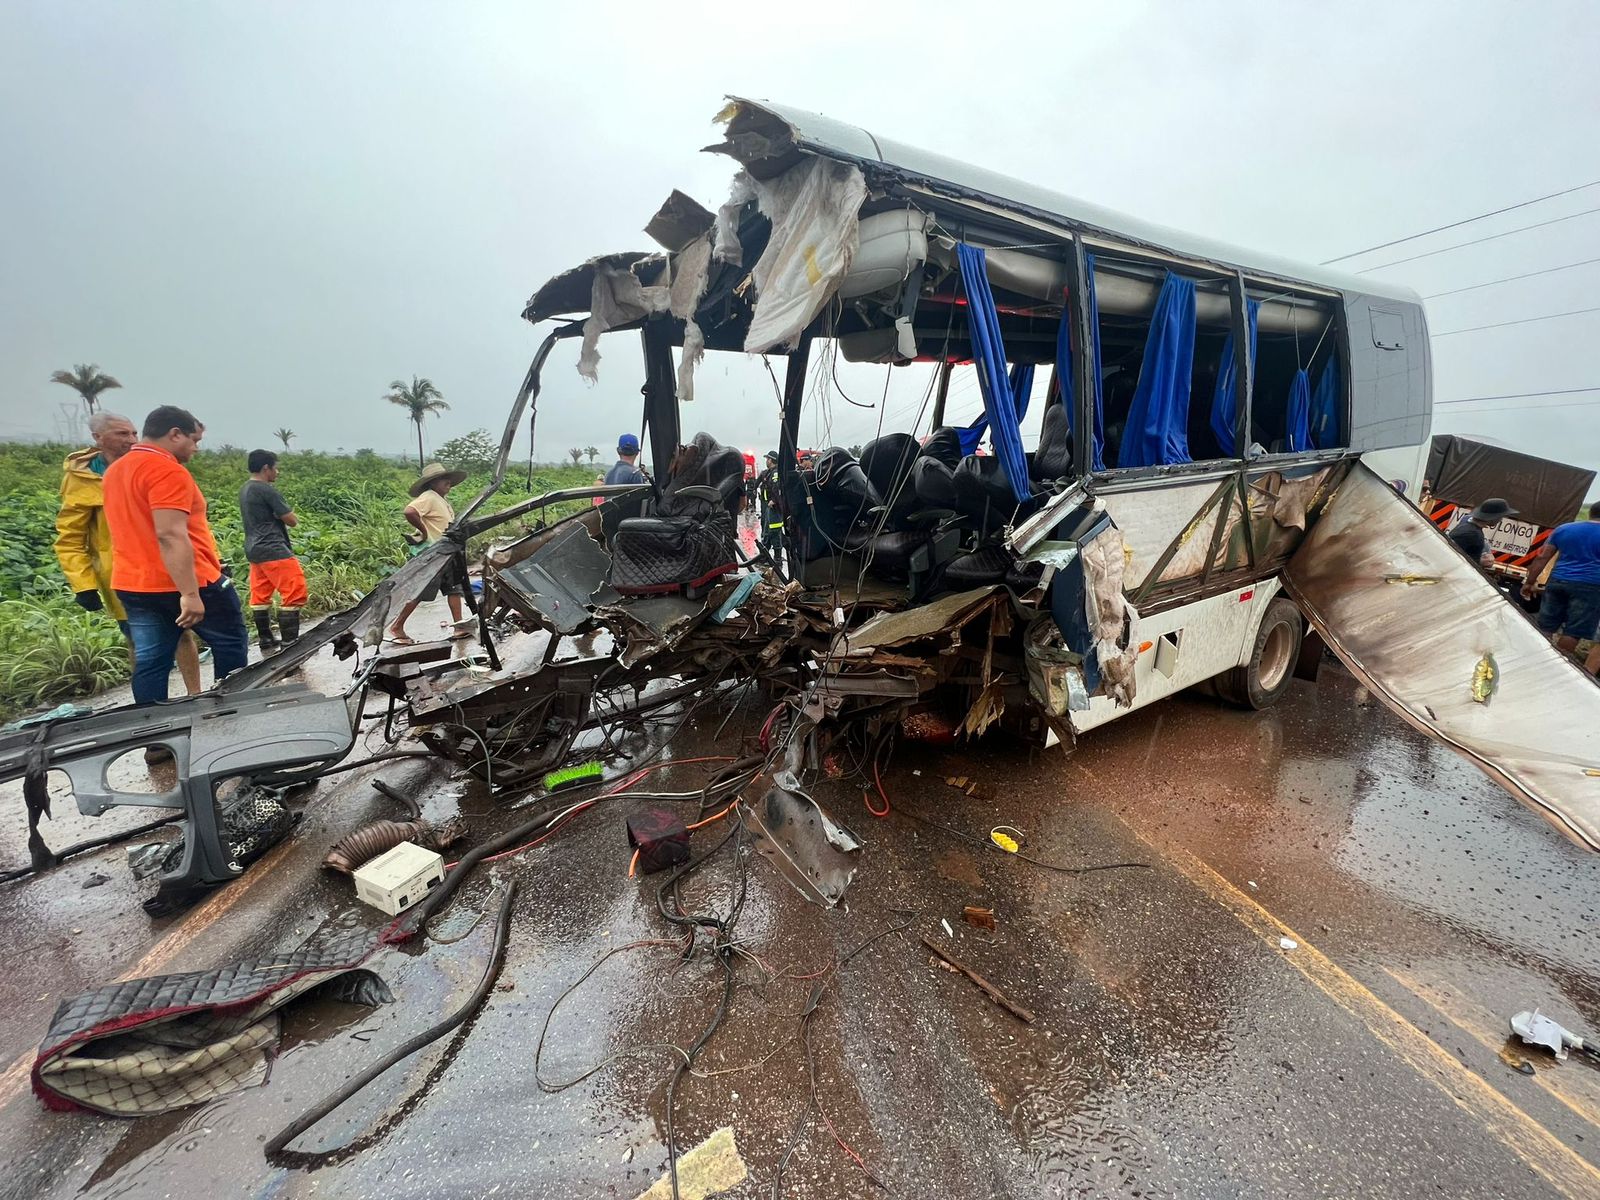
1423,629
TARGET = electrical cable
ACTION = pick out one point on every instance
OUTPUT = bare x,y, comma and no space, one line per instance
1038,862
1517,396
1576,312
77,848
411,1045
1477,241
1465,221
1513,278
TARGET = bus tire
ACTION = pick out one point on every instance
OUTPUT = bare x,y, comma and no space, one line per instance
1266,675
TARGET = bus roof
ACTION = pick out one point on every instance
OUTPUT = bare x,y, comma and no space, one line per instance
767,138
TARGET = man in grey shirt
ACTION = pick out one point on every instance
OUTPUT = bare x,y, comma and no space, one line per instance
273,566
626,469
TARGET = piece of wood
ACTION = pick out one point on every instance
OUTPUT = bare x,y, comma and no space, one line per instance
983,918
988,989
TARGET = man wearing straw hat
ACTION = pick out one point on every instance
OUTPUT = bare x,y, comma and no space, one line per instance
430,515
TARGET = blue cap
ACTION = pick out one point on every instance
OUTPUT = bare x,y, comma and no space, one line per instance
627,444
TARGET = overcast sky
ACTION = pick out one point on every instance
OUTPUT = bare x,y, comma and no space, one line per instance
265,213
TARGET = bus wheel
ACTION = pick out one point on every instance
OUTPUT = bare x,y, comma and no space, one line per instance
1267,675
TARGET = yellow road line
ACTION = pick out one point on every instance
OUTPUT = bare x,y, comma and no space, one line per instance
14,1079
1472,1019
1566,1171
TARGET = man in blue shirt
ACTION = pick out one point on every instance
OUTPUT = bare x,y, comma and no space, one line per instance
1570,610
626,469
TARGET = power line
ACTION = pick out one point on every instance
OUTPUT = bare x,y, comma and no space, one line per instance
1525,321
1466,221
1472,287
1522,408
1518,395
1475,241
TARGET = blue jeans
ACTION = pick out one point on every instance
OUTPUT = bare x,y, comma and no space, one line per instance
153,618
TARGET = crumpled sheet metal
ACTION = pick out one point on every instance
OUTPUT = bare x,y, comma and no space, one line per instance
146,1046
944,615
563,580
1419,649
809,849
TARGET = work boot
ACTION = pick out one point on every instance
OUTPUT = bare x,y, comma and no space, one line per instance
265,638
289,624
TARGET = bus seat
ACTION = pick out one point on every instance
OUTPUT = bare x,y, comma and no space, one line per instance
685,540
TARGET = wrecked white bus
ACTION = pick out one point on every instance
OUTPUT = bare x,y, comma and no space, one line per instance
1177,494
1135,551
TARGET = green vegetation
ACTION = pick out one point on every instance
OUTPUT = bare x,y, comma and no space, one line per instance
349,537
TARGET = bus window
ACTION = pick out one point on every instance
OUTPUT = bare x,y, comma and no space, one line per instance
1182,365
1298,398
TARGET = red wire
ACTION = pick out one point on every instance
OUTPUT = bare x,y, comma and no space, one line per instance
866,797
627,783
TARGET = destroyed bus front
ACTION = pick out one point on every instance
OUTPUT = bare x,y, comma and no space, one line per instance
1086,545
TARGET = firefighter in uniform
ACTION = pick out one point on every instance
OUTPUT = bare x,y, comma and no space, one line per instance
769,493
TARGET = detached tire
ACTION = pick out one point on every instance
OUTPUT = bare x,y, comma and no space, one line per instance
1262,681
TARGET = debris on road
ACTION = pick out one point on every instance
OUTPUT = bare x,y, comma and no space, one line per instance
366,843
713,1166
151,1045
1536,1029
1011,1006
983,918
1288,943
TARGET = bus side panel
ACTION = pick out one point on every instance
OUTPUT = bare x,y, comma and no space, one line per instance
1188,645
1391,381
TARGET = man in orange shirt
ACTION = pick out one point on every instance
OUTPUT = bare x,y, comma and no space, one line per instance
166,571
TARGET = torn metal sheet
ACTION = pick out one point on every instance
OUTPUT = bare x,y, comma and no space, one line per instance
651,624
1538,734
563,581
944,615
809,849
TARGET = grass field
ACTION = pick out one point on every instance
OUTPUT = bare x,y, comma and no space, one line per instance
350,536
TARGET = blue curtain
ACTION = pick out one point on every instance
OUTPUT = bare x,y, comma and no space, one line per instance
1296,431
1021,379
1157,431
1225,400
1097,458
989,355
1325,407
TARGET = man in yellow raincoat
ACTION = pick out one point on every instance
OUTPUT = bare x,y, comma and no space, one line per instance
83,540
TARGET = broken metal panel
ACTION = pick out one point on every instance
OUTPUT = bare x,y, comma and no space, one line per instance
1538,733
648,625
944,615
562,582
805,844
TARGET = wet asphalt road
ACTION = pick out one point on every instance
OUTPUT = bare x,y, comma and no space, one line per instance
1177,1049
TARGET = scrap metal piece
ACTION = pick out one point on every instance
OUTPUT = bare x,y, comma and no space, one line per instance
944,615
1543,736
809,849
562,582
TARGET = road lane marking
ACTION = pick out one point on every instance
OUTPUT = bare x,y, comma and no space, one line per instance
15,1078
1471,1019
1561,1167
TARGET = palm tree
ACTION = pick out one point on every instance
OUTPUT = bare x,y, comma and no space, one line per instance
285,436
593,452
419,399
576,455
87,381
